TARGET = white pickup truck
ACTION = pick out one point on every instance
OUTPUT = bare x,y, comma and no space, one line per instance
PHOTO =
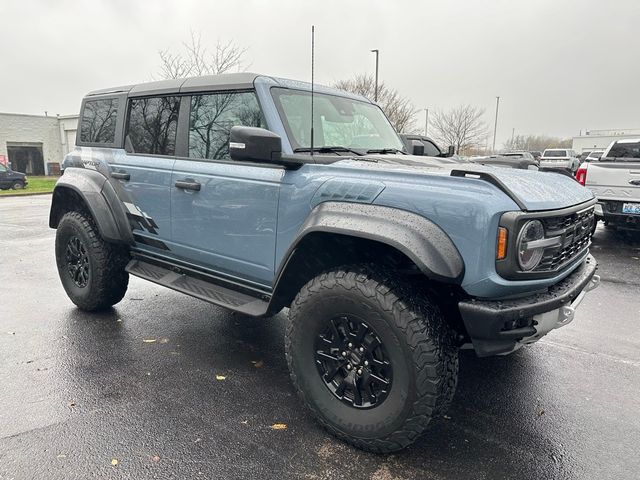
615,181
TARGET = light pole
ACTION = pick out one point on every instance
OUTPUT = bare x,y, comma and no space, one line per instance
495,127
375,93
426,122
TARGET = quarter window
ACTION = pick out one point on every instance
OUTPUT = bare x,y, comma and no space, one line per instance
152,125
98,123
212,117
430,150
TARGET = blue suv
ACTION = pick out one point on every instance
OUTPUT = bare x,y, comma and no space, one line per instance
251,193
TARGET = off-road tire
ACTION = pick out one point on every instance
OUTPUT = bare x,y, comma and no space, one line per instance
420,343
107,279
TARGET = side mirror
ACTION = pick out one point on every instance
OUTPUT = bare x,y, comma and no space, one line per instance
417,147
252,144
451,151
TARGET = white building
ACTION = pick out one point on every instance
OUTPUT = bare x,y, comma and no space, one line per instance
601,138
36,144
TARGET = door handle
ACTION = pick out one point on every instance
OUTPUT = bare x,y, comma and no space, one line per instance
188,185
120,175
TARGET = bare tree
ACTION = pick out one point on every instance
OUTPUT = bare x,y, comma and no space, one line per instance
462,126
197,60
536,142
398,109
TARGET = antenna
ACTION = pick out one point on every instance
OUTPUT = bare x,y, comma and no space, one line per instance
313,35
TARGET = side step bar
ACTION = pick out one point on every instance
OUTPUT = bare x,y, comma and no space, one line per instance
199,288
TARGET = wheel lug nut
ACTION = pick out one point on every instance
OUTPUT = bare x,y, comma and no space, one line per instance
366,362
350,345
344,354
348,366
360,372
361,349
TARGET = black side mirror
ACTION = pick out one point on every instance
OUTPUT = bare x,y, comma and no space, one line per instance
417,147
451,151
252,144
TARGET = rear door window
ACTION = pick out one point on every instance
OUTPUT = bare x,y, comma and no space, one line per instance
430,150
152,125
98,122
212,117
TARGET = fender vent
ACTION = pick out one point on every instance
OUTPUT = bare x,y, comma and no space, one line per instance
347,191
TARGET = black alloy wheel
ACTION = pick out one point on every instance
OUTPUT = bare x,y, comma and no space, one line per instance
77,262
353,362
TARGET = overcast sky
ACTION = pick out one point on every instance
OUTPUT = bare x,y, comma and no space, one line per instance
559,66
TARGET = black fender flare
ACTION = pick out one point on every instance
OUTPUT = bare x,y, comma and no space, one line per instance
101,200
420,239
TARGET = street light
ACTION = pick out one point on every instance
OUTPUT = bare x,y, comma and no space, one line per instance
375,94
426,122
495,127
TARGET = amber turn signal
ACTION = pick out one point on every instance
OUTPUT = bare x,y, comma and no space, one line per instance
501,250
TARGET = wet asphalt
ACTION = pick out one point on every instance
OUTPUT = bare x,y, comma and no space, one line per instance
166,386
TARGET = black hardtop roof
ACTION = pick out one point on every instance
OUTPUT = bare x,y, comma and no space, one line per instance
231,80
224,81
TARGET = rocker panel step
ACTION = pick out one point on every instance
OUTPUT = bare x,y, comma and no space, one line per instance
196,287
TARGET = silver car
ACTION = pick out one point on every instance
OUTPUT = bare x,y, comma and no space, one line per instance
560,158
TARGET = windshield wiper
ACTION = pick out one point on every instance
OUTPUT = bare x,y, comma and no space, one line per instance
385,151
327,149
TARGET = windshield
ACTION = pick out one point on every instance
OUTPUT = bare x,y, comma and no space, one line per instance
623,151
338,122
555,153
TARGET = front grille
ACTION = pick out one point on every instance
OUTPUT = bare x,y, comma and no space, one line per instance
574,231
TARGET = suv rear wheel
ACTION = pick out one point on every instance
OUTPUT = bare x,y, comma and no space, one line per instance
92,271
372,359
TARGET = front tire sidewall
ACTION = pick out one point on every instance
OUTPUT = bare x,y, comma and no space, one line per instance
376,422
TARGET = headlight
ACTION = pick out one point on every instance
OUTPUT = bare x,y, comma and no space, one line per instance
529,255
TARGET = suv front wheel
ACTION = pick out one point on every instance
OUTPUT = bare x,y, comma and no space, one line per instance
373,360
92,271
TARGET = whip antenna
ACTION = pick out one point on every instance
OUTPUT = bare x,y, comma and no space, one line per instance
313,34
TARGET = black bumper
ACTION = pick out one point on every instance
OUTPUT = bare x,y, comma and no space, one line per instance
612,214
494,326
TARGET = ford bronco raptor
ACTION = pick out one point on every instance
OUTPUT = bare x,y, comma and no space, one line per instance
388,263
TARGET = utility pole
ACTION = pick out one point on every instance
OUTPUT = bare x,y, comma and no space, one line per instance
495,127
426,122
513,134
375,94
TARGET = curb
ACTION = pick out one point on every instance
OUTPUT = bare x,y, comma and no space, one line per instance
14,195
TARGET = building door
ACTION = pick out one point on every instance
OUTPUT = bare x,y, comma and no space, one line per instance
71,140
26,158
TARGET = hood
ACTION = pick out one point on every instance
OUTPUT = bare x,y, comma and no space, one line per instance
530,189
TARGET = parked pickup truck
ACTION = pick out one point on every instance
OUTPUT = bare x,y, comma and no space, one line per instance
386,263
615,181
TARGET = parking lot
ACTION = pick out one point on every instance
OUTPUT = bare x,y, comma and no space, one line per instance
167,386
